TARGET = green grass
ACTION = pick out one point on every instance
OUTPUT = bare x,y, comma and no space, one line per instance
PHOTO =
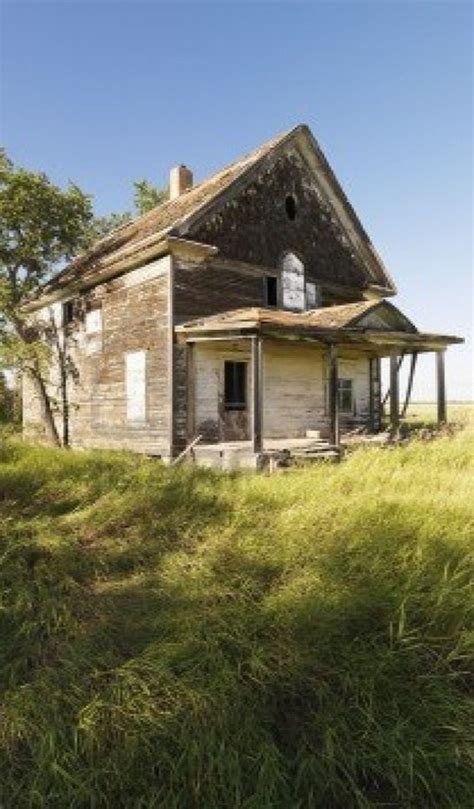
183,639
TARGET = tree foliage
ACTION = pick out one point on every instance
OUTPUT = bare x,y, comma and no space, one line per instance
148,196
41,226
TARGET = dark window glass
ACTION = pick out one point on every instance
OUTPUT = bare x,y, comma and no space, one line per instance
290,207
235,385
345,395
271,290
68,313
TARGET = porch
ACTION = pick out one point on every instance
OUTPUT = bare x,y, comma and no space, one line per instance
268,423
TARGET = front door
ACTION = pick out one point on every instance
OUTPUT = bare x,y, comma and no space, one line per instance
234,409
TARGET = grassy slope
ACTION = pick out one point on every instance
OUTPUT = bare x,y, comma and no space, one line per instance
179,638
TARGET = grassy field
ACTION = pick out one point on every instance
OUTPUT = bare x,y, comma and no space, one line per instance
187,640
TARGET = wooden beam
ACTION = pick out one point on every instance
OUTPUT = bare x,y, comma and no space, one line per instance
333,399
372,360
190,391
257,393
394,393
411,376
441,388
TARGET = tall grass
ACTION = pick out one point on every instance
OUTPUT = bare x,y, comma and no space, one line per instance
178,638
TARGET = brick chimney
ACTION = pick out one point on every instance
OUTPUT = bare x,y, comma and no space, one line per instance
181,178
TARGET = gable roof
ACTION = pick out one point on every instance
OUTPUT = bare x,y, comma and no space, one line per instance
174,217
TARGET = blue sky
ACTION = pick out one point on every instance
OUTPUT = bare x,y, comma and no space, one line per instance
107,92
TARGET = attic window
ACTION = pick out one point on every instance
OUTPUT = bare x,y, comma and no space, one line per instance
290,207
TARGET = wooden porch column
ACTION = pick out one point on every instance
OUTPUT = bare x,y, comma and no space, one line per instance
333,399
190,389
257,394
441,387
372,402
394,393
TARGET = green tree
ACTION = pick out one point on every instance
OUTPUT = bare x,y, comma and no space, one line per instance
148,196
41,226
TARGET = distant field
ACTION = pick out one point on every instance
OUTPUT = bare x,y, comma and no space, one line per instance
460,412
181,639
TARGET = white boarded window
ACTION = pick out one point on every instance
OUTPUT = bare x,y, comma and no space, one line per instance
292,278
313,296
94,321
135,378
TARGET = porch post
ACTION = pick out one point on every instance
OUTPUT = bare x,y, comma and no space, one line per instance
190,388
333,399
372,361
257,394
441,387
394,393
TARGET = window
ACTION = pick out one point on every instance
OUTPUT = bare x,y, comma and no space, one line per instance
68,312
235,385
135,384
292,282
311,296
271,290
290,207
93,321
345,395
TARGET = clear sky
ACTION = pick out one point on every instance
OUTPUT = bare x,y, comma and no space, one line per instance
107,92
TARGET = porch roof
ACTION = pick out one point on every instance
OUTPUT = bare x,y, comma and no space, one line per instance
368,325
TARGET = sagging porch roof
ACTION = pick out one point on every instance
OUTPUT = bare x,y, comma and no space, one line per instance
368,325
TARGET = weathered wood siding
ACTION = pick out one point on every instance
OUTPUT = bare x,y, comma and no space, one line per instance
135,318
206,289
253,225
294,388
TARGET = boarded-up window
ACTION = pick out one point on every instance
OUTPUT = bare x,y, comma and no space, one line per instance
235,385
135,380
292,280
311,300
93,321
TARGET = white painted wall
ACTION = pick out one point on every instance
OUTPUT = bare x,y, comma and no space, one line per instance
294,384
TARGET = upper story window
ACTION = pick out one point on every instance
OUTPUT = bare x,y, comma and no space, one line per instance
313,296
270,290
292,282
93,322
290,207
68,313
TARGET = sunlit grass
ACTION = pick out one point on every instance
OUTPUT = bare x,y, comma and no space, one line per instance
182,638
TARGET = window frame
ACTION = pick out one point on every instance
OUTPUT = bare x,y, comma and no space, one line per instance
67,313
345,385
234,402
266,296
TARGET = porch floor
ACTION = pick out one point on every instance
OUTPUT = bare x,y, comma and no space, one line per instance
239,454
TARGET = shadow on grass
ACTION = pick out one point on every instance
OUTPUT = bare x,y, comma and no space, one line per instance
195,669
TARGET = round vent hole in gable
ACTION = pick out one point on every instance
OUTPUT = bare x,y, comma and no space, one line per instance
290,207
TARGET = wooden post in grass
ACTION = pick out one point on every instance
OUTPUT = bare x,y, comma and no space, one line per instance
441,388
257,394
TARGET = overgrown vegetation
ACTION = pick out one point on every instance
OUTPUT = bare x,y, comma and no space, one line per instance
179,638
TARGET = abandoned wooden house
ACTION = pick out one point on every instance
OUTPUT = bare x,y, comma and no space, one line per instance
249,312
